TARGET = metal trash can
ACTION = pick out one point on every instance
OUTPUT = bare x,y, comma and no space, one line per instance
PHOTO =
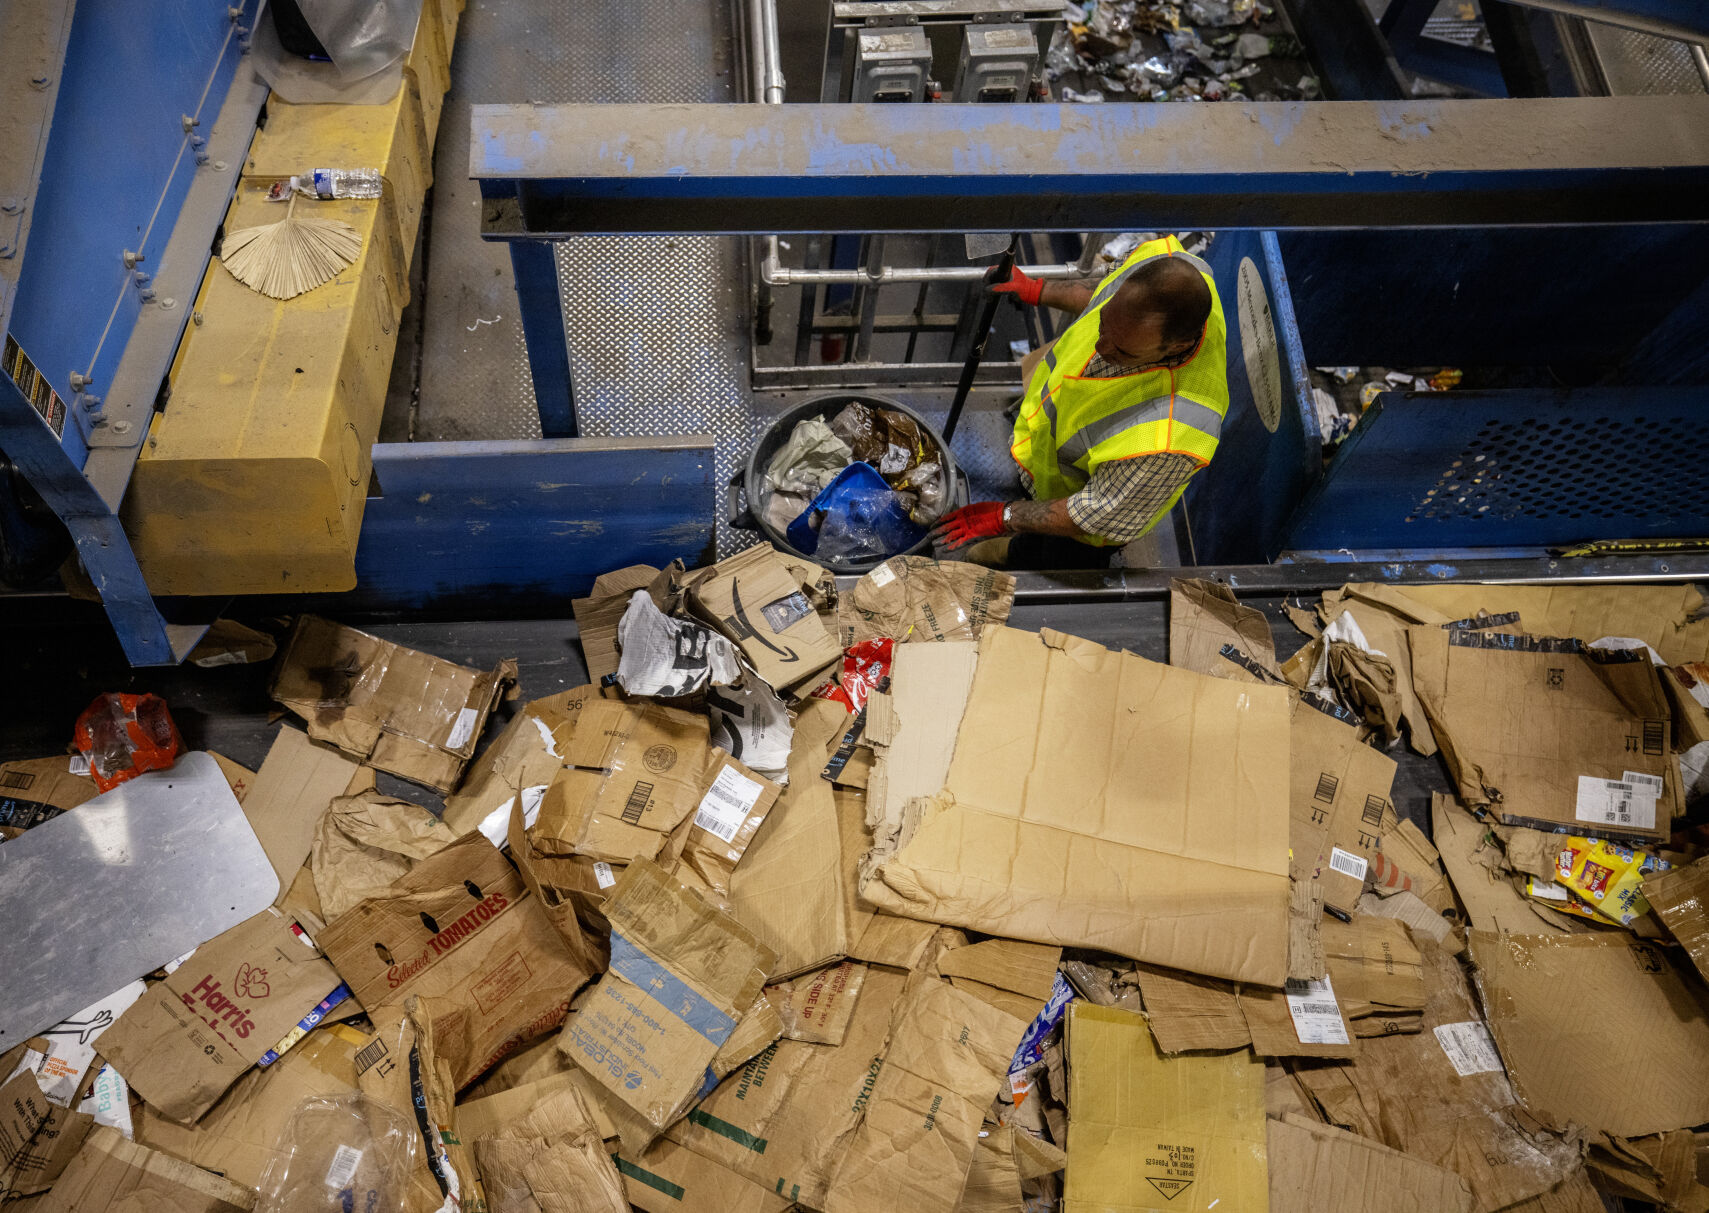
745,487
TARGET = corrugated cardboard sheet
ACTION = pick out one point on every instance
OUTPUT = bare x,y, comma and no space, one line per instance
1338,802
1203,617
1097,799
1320,1169
946,1060
1552,1002
914,598
766,605
1585,713
296,782
112,1175
1405,1092
1680,899
1155,1134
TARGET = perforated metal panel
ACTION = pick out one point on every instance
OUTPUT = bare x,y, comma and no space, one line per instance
1515,469
1571,470
1637,64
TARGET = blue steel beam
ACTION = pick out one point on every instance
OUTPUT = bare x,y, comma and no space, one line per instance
552,171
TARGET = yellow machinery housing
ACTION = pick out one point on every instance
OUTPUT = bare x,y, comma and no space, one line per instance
254,478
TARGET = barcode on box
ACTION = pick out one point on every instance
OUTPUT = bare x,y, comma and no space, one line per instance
727,804
1347,863
1373,814
1643,782
1315,1012
343,1169
17,779
637,803
1326,785
603,874
369,1055
1655,737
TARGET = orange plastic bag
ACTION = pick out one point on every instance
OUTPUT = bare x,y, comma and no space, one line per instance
125,735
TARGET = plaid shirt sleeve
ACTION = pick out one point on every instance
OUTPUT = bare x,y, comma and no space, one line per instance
1125,497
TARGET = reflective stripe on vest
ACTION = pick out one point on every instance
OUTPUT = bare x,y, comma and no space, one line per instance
1189,412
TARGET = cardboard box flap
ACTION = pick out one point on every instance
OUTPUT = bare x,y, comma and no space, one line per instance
1153,1133
1203,617
1008,964
756,600
1100,800
1680,899
915,598
112,1175
707,948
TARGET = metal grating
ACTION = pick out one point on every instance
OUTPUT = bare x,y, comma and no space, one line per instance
1564,470
1637,64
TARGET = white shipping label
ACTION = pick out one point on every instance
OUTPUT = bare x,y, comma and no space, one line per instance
1615,802
462,730
1317,1016
881,576
1470,1047
1546,889
602,872
343,1168
727,804
1651,783
1347,863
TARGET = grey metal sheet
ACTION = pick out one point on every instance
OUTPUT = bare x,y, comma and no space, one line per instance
1637,64
119,886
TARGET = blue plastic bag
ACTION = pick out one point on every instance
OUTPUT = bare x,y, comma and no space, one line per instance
860,518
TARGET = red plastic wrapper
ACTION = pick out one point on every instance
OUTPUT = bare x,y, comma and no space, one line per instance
865,665
125,735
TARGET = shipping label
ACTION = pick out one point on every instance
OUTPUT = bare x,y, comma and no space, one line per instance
1469,1047
1316,1014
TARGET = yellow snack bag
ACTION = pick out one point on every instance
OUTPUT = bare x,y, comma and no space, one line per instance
1607,876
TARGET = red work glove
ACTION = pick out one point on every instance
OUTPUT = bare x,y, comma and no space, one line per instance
1028,290
969,524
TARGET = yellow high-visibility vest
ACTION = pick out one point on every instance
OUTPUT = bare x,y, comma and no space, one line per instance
1069,424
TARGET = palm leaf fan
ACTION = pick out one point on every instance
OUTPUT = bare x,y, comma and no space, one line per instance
284,259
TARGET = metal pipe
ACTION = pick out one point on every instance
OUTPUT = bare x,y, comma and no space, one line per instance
1701,60
768,52
774,272
1129,585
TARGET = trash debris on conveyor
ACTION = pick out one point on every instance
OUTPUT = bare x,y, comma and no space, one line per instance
811,898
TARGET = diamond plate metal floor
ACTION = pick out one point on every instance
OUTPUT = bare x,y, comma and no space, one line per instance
657,329
1637,64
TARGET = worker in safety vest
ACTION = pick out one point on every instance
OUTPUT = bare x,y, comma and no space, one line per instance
1120,412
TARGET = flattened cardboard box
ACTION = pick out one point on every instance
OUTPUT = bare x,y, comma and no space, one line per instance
1204,616
237,1135
1555,1000
946,1059
1591,719
527,753
34,790
38,1138
1317,1168
189,1038
1100,800
462,927
785,1119
682,976
631,773
1441,1095
755,600
394,708
1155,1134
1338,805
112,1175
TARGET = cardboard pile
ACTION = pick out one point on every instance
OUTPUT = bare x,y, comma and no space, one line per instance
868,901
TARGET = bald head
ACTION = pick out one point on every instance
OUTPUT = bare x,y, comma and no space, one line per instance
1159,313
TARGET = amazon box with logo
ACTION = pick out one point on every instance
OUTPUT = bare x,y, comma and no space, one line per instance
1546,731
766,605
463,928
682,976
394,708
190,1037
